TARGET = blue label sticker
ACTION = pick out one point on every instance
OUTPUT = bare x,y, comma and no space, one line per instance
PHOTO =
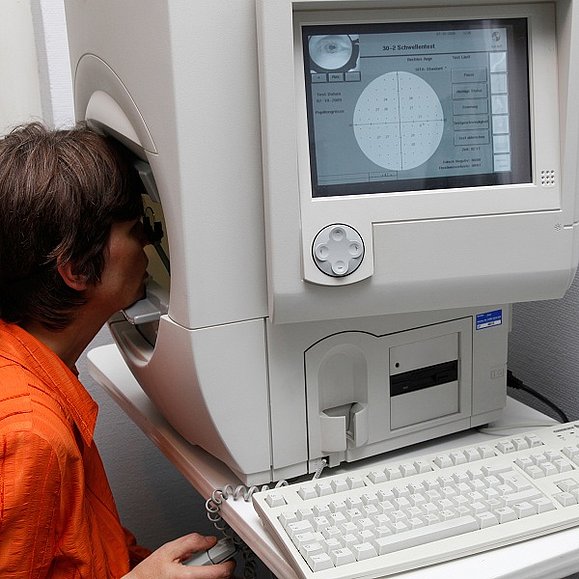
489,319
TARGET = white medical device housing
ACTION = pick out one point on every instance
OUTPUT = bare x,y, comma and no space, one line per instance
351,192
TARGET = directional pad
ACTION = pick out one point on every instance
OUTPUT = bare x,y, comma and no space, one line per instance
338,250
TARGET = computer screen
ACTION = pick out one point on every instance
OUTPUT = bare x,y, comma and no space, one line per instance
417,105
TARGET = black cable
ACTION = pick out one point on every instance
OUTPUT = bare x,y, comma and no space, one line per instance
515,383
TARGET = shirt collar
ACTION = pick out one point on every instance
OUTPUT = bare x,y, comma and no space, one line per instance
28,352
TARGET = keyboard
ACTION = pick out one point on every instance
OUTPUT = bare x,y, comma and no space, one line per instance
397,516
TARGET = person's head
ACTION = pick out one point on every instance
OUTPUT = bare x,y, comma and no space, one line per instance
61,194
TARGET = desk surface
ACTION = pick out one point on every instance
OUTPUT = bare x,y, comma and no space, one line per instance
551,557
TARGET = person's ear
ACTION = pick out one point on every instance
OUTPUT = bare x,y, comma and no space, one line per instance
73,280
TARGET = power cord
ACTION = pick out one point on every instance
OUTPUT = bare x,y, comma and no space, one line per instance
213,509
516,384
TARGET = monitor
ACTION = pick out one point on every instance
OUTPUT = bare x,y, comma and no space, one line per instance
412,155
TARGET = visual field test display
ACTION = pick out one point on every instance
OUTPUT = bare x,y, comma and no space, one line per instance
414,106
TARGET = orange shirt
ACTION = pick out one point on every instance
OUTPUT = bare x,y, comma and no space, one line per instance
57,514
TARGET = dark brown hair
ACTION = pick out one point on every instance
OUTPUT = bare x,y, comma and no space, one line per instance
60,192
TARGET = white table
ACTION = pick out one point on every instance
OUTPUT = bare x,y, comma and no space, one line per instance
551,557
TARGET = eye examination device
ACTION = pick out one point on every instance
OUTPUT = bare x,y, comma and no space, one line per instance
345,197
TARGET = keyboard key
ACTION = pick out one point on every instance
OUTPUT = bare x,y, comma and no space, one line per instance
299,527
450,528
398,516
549,468
320,562
385,495
364,551
349,540
472,454
365,535
571,452
486,519
383,531
506,447
386,507
337,518
369,499
321,510
348,527
478,507
562,465
460,477
307,492
321,523
288,517
493,470
370,510
432,518
300,539
365,524
323,489
443,461
520,443
568,484
392,473
533,440
518,482
331,533
524,509
416,522
377,476
535,472
423,466
354,515
354,502
505,515
408,469
339,485
486,451
523,496
305,514
458,457
565,499
310,549
338,506
399,526
342,556
539,459
543,504
524,462
355,482
275,500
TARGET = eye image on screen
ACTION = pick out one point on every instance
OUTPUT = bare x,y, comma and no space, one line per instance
398,121
333,52
421,105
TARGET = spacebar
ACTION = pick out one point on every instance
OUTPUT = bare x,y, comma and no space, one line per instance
423,535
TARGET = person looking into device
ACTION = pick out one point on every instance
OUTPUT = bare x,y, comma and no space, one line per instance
71,255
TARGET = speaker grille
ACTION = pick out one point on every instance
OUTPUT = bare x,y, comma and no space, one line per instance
548,178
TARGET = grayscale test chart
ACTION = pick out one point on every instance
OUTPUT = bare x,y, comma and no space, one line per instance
398,121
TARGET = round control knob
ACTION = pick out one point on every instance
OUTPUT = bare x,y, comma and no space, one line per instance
338,250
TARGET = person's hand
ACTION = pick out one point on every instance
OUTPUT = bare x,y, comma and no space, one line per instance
165,562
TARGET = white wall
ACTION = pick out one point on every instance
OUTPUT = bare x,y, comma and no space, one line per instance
20,93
